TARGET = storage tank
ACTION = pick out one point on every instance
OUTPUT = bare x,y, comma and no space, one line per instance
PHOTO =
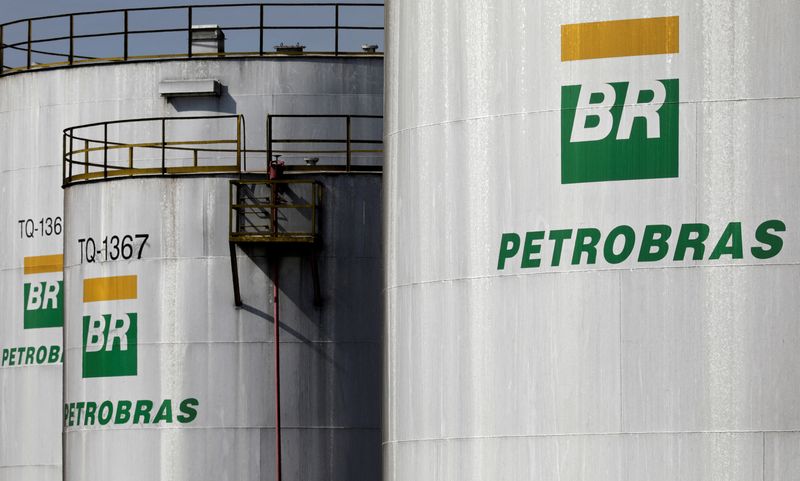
161,362
31,260
31,301
592,240
204,363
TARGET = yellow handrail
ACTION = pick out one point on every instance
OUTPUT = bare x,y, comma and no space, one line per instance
90,169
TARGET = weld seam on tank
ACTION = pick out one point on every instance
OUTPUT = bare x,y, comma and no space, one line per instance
557,110
197,258
217,428
606,434
203,343
588,271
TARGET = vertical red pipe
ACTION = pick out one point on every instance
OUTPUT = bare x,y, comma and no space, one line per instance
276,322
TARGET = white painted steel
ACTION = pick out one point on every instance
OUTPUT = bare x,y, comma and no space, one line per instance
34,109
664,371
192,343
30,391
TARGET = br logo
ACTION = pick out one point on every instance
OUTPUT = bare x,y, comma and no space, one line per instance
43,298
619,130
109,345
110,341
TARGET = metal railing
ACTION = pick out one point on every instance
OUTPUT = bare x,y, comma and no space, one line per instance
199,145
351,148
91,152
18,39
279,211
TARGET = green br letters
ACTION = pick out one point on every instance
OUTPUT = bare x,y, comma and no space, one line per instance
619,131
43,304
109,345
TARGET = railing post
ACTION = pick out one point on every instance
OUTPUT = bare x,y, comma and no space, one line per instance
71,39
125,48
269,142
336,45
230,212
261,31
273,210
2,51
239,143
70,152
30,38
237,296
63,156
189,33
130,158
163,146
85,157
105,151
244,144
349,146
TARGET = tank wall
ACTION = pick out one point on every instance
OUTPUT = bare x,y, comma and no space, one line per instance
34,109
605,369
211,362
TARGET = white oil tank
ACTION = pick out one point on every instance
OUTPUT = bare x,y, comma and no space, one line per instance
167,62
592,240
31,300
165,377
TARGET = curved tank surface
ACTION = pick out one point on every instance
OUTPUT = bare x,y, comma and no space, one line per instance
34,109
31,275
592,240
160,361
229,62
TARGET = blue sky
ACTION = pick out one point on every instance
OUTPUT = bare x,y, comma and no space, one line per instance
165,43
